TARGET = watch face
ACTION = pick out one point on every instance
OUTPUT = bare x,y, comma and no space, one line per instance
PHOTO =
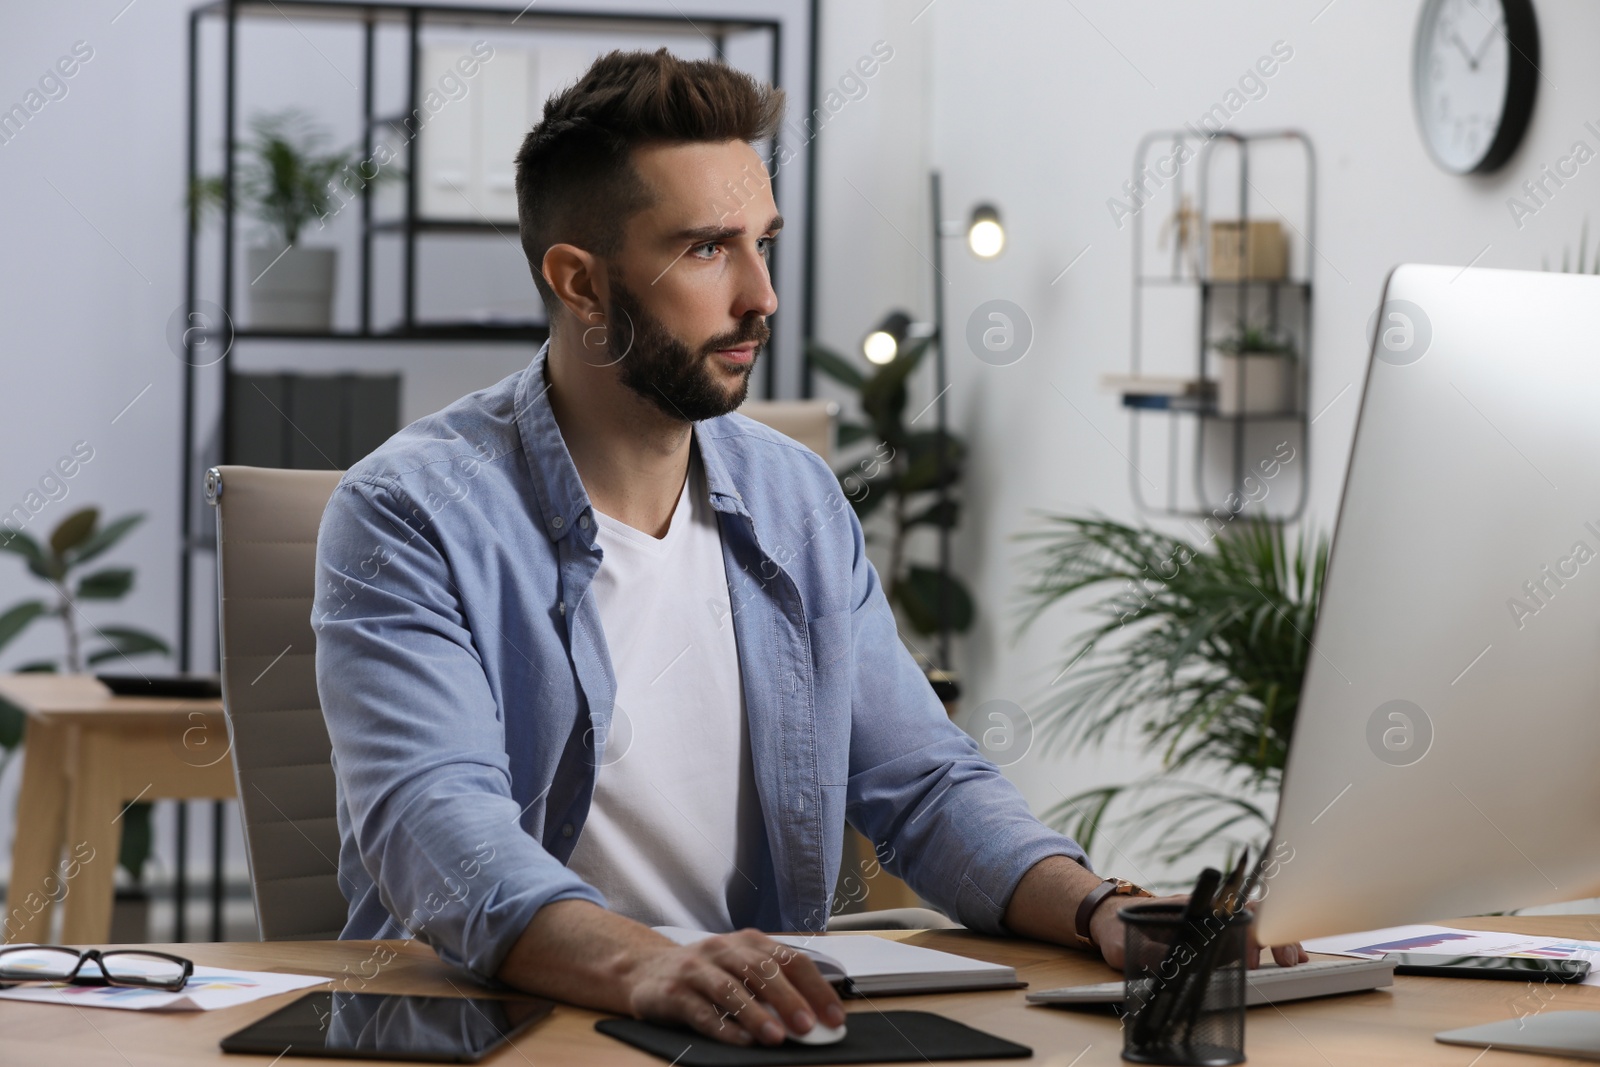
1461,76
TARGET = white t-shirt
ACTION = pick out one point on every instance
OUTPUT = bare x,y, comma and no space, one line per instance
675,822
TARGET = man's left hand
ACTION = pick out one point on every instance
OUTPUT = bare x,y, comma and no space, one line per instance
1108,932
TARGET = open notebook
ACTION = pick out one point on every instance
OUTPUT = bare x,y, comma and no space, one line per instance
874,966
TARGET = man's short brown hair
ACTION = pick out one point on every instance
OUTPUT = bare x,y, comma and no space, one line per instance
575,178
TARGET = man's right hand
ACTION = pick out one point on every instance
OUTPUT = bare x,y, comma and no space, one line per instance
740,988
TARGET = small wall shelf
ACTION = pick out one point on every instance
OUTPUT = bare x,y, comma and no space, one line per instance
1226,436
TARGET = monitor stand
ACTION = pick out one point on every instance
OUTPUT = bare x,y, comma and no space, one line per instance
1554,1033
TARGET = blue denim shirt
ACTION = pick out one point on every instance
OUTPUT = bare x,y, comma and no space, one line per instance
467,687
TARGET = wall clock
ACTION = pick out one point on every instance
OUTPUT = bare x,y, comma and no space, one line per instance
1475,72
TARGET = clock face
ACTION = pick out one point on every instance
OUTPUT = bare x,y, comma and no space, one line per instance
1467,73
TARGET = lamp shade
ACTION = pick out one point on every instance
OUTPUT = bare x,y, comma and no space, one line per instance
883,343
985,236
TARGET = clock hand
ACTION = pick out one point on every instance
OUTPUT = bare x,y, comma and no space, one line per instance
1462,47
1494,31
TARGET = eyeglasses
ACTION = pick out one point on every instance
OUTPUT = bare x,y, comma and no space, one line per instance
122,967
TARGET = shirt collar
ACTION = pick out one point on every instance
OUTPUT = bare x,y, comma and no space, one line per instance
557,488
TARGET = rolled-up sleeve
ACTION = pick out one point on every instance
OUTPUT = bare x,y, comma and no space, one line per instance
940,813
418,738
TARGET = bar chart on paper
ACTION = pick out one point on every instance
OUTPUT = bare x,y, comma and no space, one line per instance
1408,944
1375,943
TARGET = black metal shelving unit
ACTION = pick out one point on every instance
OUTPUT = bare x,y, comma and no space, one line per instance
1278,305
410,227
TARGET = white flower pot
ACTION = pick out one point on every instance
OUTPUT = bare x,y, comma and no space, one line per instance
291,289
1268,384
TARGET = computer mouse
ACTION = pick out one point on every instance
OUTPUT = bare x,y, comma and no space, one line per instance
819,1034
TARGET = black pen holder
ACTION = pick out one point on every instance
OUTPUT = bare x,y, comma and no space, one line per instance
1185,986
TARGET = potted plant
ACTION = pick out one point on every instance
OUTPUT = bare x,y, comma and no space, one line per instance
77,540
903,472
1200,652
286,180
1584,265
1257,373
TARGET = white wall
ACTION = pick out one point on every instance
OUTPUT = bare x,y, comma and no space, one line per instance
1037,106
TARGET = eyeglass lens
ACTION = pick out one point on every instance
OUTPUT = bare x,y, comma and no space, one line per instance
43,964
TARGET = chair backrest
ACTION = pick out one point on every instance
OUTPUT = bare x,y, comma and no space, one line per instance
266,567
808,421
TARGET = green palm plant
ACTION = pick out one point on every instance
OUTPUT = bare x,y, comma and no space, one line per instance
1584,264
1200,652
77,540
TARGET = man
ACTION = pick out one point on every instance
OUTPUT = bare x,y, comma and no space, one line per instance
596,654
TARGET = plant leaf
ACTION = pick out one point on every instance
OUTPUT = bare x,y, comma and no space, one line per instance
126,641
102,539
883,397
946,513
866,495
17,618
136,839
851,432
918,595
40,563
108,584
13,721
73,529
922,470
38,666
835,366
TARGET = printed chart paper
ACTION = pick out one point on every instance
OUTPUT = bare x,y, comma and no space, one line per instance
1448,941
209,988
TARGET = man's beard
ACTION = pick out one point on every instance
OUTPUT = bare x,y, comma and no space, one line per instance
661,368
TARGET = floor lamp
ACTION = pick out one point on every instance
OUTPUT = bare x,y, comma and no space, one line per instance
986,239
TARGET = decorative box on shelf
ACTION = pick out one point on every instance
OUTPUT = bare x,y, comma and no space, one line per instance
1260,253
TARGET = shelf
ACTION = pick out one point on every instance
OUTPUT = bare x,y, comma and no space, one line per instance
478,15
1212,413
443,331
1291,284
1276,416
446,226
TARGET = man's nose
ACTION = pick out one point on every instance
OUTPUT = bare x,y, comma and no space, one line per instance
755,291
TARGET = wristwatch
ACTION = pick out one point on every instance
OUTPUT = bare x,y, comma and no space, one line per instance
1111,887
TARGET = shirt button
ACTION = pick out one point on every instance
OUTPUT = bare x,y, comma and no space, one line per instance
583,521
557,522
566,830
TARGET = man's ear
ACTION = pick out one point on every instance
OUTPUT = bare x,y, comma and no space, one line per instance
579,281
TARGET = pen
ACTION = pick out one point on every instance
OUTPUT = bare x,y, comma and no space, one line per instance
1159,1011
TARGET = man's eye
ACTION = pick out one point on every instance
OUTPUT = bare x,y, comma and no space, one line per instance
697,249
766,245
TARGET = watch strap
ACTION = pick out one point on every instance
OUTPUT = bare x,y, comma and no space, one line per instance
1093,899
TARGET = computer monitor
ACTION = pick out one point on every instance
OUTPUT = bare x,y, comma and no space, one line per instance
1446,754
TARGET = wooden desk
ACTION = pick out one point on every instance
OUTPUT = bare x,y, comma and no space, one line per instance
88,754
1383,1027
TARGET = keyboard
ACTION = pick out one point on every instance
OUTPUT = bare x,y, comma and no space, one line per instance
1268,984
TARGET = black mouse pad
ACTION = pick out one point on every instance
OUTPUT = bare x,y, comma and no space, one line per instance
870,1037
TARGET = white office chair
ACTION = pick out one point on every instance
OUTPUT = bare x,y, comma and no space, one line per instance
811,422
266,557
